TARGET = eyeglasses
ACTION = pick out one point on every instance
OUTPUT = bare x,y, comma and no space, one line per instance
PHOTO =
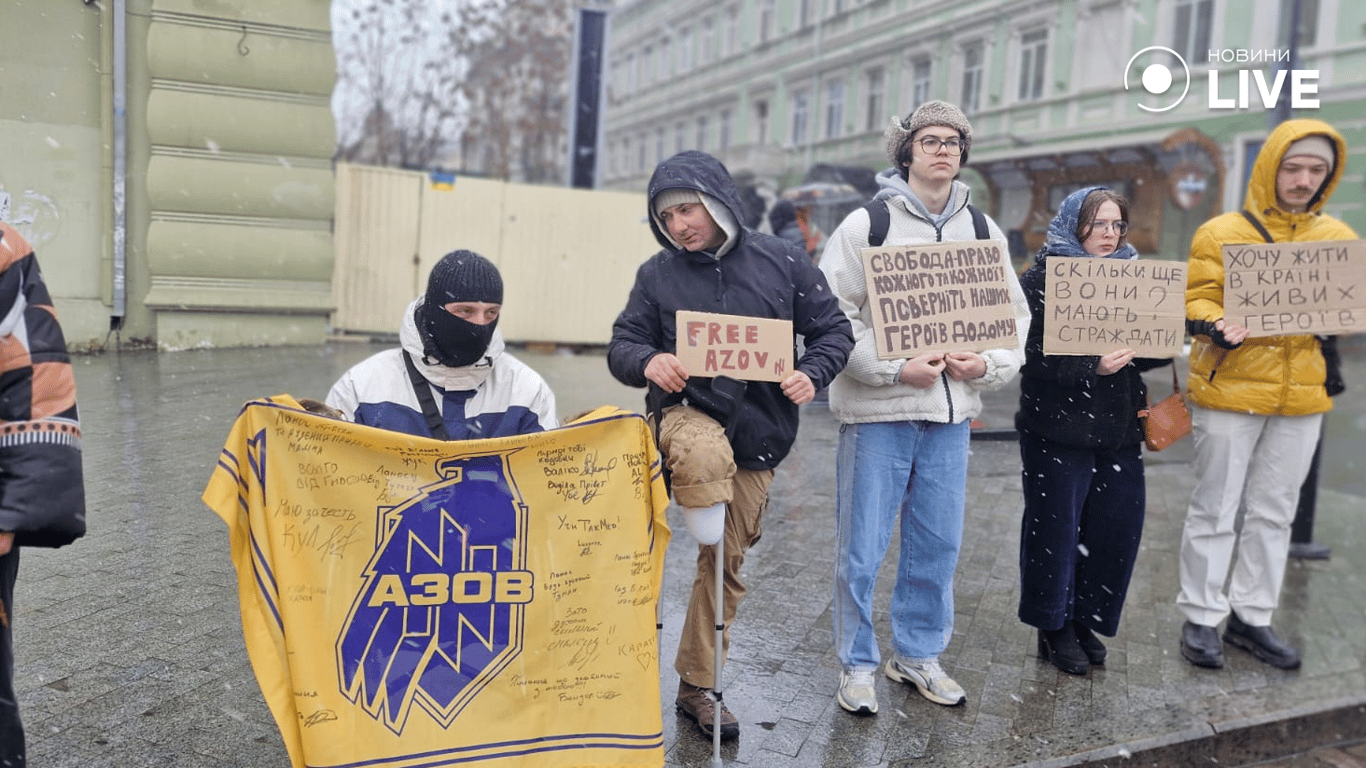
1119,227
930,145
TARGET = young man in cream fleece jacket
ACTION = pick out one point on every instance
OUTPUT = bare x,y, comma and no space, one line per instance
904,444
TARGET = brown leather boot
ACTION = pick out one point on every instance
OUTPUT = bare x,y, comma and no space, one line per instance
697,704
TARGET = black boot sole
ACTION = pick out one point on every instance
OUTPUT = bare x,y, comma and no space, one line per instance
1201,659
1260,653
1078,667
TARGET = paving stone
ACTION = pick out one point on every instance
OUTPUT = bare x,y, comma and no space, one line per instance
129,647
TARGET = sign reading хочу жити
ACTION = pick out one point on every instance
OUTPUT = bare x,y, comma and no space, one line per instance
939,297
1278,289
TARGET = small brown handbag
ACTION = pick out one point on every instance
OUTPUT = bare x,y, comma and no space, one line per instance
1168,421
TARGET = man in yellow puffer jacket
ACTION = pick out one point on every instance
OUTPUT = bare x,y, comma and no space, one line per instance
1259,405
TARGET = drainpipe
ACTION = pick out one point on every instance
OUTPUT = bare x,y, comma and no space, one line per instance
120,271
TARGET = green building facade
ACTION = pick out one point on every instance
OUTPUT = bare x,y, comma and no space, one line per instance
776,88
171,162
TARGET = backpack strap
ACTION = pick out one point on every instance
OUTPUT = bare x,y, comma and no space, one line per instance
979,223
1258,226
423,390
879,219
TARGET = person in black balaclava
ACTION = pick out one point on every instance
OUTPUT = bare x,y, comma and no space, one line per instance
451,377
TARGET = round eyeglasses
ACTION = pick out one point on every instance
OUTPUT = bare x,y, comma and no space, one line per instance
930,145
1119,227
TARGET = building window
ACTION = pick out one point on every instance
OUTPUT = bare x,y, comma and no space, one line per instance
666,64
706,42
731,32
723,131
974,54
761,122
804,12
1308,26
611,158
1192,29
659,145
834,109
876,96
685,49
647,63
765,20
1033,56
632,74
920,80
799,116
702,133
679,140
836,7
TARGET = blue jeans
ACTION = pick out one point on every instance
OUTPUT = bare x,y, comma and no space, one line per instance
918,470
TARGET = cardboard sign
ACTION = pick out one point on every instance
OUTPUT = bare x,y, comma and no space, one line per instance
1278,289
942,297
1093,306
745,348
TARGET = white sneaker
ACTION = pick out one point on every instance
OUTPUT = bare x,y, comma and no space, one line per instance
929,678
856,692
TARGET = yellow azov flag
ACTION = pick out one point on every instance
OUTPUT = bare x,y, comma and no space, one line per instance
410,602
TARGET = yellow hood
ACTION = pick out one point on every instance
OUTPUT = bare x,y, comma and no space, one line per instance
1261,188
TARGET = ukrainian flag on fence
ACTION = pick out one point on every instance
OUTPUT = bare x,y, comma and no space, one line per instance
409,602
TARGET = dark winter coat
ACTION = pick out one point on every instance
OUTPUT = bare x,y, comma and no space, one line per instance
1062,398
758,276
42,492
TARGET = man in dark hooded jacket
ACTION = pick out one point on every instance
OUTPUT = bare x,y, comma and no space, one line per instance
711,263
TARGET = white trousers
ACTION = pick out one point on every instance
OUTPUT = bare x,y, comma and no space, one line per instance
1257,462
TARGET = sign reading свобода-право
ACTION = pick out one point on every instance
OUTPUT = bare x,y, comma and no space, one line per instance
940,297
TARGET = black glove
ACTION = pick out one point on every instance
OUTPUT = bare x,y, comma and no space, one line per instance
1206,328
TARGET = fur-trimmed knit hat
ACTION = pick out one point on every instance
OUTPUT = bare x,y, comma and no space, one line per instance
464,276
900,132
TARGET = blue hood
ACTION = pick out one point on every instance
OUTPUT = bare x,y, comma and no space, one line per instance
1062,231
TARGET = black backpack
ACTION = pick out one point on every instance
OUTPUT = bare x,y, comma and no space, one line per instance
879,218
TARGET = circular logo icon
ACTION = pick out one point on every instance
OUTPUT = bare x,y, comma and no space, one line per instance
1156,75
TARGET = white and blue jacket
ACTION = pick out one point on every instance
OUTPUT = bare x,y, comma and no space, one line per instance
498,396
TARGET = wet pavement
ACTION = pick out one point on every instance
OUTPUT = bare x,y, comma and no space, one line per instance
129,647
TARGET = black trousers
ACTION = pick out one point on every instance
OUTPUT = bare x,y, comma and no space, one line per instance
11,729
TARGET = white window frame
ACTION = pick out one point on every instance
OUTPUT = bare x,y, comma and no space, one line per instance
972,76
874,97
1033,68
834,108
800,124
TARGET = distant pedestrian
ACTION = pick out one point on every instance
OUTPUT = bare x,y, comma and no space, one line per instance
1081,452
1258,407
903,448
42,490
782,219
721,454
450,378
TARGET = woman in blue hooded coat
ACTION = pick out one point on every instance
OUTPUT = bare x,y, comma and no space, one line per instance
1082,461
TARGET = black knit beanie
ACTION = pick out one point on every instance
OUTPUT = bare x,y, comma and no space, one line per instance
464,276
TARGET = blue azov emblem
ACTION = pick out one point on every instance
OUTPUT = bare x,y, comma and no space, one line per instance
440,612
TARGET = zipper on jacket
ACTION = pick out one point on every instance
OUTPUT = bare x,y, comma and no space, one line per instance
948,393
